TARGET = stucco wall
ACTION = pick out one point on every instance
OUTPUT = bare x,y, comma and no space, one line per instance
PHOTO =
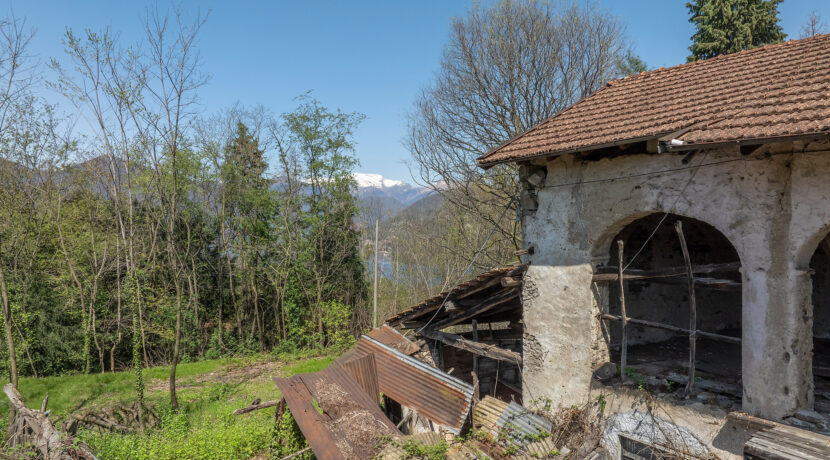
774,207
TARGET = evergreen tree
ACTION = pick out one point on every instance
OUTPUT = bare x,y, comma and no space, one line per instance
729,26
631,64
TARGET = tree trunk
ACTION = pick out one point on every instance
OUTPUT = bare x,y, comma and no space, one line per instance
7,323
174,402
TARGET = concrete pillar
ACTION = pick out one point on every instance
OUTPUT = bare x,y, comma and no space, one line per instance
777,335
558,333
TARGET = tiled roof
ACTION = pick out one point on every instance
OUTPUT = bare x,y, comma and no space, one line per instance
768,92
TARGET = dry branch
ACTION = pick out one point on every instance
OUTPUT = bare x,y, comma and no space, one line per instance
254,407
33,427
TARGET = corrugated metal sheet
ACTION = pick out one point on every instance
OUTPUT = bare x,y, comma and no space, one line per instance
512,424
392,338
350,422
364,372
431,304
435,395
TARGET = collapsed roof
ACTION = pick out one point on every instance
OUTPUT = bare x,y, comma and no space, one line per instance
491,296
774,92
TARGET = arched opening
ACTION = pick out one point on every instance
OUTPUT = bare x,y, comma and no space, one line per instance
820,264
661,322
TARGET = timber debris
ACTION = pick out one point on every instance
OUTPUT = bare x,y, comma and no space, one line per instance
33,428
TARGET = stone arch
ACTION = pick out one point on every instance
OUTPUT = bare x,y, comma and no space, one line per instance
665,300
819,266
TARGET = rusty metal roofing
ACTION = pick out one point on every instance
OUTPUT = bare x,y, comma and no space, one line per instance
364,371
771,92
349,421
436,395
510,424
392,338
480,282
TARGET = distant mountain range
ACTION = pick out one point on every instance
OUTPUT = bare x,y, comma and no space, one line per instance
392,196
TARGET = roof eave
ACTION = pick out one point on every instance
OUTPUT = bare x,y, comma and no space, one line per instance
556,153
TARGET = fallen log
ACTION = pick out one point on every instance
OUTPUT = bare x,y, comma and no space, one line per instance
34,428
259,406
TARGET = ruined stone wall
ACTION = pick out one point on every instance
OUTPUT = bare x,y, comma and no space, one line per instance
773,206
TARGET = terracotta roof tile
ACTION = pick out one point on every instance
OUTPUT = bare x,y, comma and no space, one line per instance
771,91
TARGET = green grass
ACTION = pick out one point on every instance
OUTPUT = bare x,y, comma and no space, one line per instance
308,365
202,428
67,392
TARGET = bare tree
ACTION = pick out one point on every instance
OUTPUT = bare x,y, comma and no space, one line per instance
814,25
173,76
505,68
15,80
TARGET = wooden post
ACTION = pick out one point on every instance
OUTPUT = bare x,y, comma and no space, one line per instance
476,394
624,340
692,306
375,294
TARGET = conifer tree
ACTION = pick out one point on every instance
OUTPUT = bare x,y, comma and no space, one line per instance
729,26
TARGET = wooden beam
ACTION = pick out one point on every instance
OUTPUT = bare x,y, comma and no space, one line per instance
478,348
667,327
489,304
711,283
493,282
678,226
604,273
476,392
509,281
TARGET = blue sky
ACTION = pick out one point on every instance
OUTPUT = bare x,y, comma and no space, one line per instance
366,56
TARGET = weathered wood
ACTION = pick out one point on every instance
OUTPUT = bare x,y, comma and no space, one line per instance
476,395
712,283
489,304
605,273
39,432
296,454
259,406
668,327
523,252
509,281
786,442
623,316
708,385
481,349
678,226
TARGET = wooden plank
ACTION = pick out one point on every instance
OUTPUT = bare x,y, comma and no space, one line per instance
678,226
487,305
712,283
623,316
476,392
610,273
478,348
667,327
708,385
509,281
300,402
788,442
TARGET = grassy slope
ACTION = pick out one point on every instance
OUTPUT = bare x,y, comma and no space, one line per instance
209,391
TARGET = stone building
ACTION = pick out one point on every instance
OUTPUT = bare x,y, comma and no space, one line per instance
737,149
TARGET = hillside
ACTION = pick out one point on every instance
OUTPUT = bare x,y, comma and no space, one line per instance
204,427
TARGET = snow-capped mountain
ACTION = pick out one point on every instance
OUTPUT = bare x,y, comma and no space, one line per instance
394,195
365,180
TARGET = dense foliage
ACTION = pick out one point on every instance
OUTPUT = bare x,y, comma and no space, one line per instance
729,26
